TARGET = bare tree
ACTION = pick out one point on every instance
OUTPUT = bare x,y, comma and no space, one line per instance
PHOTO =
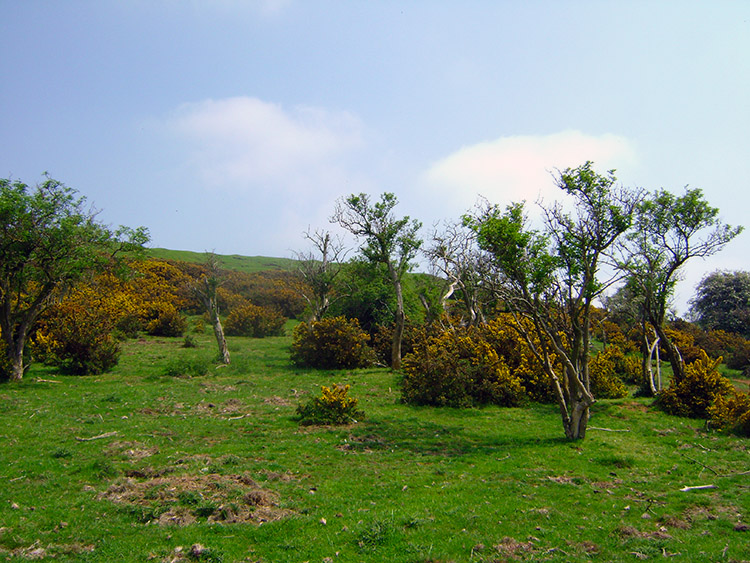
319,268
205,290
455,254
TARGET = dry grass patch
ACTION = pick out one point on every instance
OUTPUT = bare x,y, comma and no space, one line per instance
186,499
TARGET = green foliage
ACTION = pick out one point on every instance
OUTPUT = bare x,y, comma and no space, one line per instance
334,343
722,301
459,368
731,412
49,243
739,358
165,320
333,406
692,395
254,321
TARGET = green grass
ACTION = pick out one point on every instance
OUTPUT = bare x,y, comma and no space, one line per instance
247,264
405,485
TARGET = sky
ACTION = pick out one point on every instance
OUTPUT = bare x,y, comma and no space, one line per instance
234,126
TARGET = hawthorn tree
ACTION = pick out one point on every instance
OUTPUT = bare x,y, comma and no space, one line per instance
550,278
48,243
386,240
668,231
722,302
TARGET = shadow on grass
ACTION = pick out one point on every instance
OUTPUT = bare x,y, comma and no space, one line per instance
431,439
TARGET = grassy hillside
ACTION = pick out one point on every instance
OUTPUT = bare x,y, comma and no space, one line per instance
139,466
248,264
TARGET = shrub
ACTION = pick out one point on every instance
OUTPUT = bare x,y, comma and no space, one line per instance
458,368
699,388
334,343
254,321
332,407
731,413
739,358
604,369
77,338
165,320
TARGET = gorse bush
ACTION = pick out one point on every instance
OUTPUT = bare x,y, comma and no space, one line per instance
333,406
604,373
731,412
163,319
250,320
458,368
700,387
77,336
334,343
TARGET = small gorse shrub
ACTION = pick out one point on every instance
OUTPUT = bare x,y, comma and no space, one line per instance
333,406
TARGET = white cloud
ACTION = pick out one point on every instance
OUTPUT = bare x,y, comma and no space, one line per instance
518,168
247,144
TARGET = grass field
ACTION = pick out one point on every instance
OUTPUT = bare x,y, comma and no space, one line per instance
138,466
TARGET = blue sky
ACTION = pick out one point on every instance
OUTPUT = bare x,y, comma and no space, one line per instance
235,125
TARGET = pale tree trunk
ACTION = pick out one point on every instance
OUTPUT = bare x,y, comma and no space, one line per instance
398,330
220,338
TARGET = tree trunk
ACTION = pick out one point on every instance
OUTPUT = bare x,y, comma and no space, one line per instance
673,355
398,331
14,354
575,426
220,338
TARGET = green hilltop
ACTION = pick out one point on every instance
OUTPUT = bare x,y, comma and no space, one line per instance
248,264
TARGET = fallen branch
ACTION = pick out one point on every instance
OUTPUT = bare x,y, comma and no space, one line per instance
40,380
105,435
701,464
237,417
697,488
609,429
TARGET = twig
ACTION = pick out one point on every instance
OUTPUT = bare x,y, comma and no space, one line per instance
609,429
237,417
503,458
105,435
711,469
697,488
40,380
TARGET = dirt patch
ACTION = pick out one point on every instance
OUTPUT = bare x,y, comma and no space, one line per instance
511,547
277,401
635,406
633,532
133,451
36,551
186,499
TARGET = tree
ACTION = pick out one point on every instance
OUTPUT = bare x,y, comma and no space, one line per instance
319,269
668,231
550,278
205,290
454,253
722,302
388,241
48,244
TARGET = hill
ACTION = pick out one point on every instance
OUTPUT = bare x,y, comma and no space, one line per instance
248,264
